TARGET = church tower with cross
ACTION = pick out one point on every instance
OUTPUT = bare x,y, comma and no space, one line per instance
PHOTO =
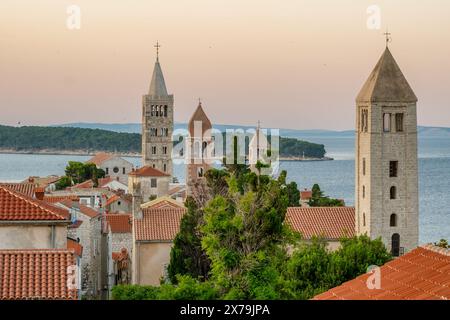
386,186
157,122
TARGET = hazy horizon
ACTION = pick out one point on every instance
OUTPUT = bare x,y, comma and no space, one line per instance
290,64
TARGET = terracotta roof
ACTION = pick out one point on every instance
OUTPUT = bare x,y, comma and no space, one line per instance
176,190
148,171
422,274
386,83
43,181
23,187
115,198
88,211
163,202
99,158
328,222
35,274
305,195
75,246
199,115
55,199
16,206
158,224
119,222
88,184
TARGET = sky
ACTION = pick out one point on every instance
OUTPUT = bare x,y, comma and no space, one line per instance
295,64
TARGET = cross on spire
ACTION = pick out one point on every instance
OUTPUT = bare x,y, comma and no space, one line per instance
388,37
157,46
199,101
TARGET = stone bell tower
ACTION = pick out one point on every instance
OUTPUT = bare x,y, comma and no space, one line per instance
386,172
157,123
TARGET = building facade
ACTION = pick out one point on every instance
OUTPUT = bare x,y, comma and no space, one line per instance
386,158
157,124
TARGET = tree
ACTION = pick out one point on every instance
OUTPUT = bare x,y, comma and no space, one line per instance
319,200
63,183
291,189
78,172
187,256
442,244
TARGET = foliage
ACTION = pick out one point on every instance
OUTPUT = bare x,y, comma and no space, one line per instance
78,172
291,189
319,200
187,256
442,244
290,147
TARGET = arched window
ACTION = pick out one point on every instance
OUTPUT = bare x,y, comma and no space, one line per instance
393,220
393,193
165,111
364,219
395,245
364,192
161,112
204,145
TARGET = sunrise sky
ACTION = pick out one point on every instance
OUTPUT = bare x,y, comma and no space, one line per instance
289,63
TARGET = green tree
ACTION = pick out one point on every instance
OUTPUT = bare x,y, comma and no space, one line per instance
318,199
63,183
187,256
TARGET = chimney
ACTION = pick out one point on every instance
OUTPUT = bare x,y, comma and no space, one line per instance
39,193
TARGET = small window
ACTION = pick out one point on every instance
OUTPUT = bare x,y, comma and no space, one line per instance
387,122
364,191
200,172
165,111
119,203
153,150
107,170
393,193
393,220
364,120
399,122
123,170
165,167
116,170
364,166
153,165
153,183
364,219
393,169
395,249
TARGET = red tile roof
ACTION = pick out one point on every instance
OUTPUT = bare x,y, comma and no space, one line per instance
23,187
35,274
148,171
115,198
305,195
88,184
119,222
422,274
16,206
88,211
158,224
75,246
55,199
328,222
99,158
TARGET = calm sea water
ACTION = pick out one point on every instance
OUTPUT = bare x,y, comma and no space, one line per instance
336,178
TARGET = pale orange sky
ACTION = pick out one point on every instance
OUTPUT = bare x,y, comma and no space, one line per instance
290,63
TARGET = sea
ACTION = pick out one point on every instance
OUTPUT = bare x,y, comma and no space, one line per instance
336,178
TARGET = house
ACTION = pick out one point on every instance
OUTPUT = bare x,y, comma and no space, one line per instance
44,274
118,204
305,196
151,182
421,274
330,223
153,233
163,203
26,188
48,183
114,166
177,192
103,183
28,223
86,230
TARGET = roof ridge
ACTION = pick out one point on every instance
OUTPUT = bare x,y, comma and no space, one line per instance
434,248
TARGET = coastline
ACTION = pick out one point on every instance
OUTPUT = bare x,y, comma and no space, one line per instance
305,159
54,152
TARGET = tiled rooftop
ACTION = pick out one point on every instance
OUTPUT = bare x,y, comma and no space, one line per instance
328,222
422,274
148,171
16,206
119,222
99,158
55,199
158,224
75,246
35,274
25,188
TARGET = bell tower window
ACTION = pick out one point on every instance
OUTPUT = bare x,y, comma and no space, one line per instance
386,122
399,122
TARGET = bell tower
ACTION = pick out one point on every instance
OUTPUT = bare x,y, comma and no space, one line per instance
386,194
157,122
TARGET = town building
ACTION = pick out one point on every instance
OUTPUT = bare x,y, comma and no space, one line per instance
157,123
149,182
330,224
154,230
386,187
198,152
421,274
114,166
118,204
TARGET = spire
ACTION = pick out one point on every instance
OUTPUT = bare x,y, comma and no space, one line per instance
386,83
199,115
157,85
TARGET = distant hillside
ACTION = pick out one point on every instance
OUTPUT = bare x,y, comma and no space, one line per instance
89,140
